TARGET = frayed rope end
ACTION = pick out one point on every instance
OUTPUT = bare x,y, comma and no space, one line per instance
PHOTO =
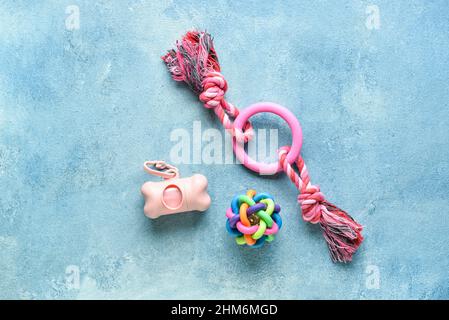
194,58
342,233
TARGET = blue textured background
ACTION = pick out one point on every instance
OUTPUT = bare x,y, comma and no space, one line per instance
81,110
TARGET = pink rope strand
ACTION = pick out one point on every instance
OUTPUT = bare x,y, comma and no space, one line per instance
341,232
196,63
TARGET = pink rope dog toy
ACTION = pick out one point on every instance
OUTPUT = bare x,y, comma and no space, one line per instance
196,63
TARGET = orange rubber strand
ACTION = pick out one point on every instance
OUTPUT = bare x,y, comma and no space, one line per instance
244,218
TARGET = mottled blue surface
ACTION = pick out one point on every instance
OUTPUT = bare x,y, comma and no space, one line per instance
80,110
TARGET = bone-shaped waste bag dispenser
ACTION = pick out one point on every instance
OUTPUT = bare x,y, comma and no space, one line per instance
174,194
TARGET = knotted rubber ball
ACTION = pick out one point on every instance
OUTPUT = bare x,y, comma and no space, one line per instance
253,218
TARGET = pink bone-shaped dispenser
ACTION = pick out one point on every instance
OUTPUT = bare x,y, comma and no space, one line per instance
174,195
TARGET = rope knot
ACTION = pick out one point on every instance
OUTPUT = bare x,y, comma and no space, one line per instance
214,89
311,200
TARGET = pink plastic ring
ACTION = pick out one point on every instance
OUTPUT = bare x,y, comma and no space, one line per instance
238,143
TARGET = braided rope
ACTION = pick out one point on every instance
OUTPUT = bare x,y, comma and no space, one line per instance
341,232
196,63
214,90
